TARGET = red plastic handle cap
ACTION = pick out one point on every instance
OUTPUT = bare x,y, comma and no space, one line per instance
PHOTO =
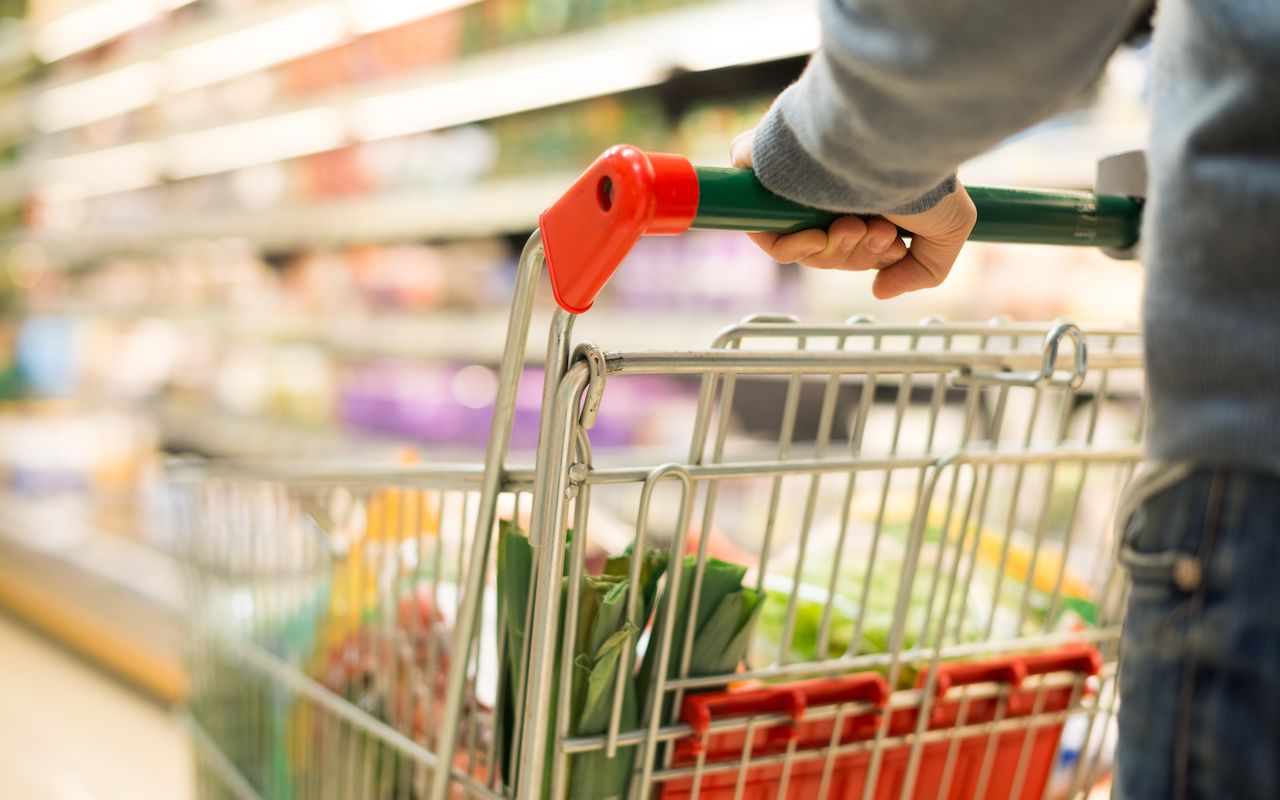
627,193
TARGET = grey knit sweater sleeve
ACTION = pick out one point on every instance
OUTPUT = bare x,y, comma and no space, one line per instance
903,91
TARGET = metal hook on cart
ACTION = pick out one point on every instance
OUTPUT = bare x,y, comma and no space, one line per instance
598,368
1045,375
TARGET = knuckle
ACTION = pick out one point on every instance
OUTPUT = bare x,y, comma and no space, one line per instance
851,226
881,227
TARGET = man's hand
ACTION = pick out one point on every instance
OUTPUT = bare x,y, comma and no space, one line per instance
852,243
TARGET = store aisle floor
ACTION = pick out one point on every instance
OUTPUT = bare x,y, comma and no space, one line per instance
68,732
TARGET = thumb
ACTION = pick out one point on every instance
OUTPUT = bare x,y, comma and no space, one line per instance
940,234
740,149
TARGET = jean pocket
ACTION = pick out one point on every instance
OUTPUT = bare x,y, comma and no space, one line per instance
1155,549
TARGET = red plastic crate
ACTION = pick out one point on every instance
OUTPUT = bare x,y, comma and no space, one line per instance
809,737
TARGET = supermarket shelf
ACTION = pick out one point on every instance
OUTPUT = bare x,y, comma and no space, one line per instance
14,49
116,601
503,206
13,186
15,117
218,434
628,55
192,34
222,436
452,335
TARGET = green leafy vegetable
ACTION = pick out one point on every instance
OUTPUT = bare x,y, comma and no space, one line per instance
722,624
604,641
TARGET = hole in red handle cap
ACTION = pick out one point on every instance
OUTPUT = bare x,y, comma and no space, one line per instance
604,193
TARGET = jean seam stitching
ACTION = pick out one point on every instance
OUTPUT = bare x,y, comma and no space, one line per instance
1182,736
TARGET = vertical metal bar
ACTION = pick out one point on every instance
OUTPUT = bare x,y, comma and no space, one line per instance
928,695
527,272
1077,787
559,344
654,704
944,531
695,601
391,580
634,592
788,760
992,746
1042,519
897,628
502,699
1108,716
454,734
953,746
786,433
552,483
750,735
258,712
1011,514
557,356
404,641
899,412
866,396
974,395
829,759
432,730
729,385
825,419
698,767
1028,744
522,660
577,568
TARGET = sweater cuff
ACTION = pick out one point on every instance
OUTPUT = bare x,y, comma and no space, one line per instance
929,199
787,169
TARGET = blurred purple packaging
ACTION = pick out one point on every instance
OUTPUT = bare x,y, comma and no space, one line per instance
453,405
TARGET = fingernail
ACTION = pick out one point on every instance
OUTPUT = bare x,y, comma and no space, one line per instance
848,243
879,245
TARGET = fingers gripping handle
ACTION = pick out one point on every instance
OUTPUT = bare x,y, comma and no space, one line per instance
628,193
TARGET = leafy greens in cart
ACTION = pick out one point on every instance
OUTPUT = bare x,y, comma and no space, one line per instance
604,646
726,612
605,642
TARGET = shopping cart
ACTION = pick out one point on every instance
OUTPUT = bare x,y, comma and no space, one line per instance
883,569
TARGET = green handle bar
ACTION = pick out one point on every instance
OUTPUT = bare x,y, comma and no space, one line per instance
734,199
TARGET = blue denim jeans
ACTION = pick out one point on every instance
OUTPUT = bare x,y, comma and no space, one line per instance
1200,660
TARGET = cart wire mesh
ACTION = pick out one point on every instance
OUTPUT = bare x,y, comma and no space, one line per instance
914,517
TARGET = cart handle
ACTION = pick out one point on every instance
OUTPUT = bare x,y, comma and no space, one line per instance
628,193
1013,670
